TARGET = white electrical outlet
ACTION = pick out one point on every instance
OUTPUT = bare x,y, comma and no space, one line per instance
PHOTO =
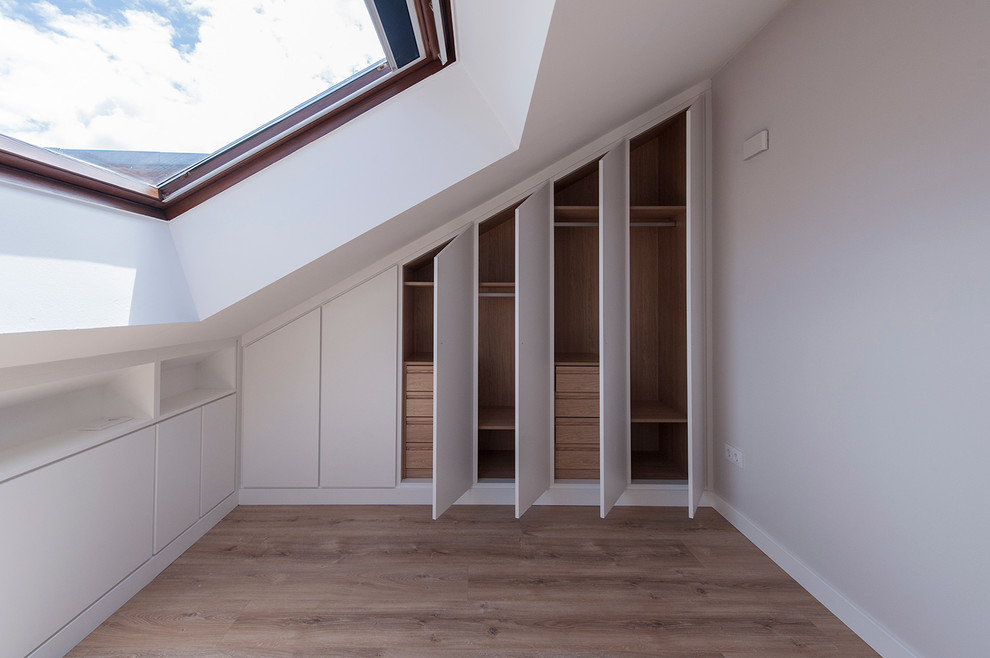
734,455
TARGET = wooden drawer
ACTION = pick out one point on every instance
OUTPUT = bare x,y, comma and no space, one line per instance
577,432
574,474
576,459
419,405
577,379
419,379
419,459
575,406
419,433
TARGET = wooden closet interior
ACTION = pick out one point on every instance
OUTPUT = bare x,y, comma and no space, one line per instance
417,366
658,302
657,325
496,347
576,330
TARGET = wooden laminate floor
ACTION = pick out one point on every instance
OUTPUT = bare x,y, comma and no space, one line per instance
388,581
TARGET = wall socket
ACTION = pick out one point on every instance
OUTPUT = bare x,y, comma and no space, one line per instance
734,455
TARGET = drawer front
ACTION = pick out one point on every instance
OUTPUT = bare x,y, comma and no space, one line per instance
574,474
576,459
419,379
576,407
419,459
421,407
577,379
419,433
580,433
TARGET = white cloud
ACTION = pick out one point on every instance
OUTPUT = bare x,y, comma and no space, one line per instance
96,84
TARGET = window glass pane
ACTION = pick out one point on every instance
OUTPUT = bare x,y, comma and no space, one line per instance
168,81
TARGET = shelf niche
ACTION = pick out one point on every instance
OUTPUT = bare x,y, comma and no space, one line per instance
576,345
192,381
417,371
658,305
496,347
42,422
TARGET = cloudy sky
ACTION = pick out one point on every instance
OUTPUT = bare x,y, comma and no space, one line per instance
169,75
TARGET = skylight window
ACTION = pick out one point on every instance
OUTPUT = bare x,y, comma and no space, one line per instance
165,93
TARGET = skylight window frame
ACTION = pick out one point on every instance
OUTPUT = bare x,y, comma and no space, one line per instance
39,168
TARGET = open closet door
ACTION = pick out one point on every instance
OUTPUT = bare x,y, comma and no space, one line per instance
696,303
453,371
613,295
534,348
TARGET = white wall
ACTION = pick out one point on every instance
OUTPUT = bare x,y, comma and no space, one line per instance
65,264
852,305
333,190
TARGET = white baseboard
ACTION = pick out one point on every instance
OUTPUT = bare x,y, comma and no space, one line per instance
483,493
86,622
872,632
418,493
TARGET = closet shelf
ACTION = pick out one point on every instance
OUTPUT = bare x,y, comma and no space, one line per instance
496,418
648,466
654,411
589,214
576,359
419,284
419,359
497,286
496,464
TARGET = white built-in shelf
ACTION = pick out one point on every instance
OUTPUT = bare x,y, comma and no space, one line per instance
191,381
35,453
191,399
43,422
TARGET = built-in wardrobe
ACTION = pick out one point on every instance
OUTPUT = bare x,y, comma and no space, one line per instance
549,350
559,343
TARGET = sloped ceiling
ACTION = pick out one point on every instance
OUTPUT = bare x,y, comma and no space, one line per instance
534,81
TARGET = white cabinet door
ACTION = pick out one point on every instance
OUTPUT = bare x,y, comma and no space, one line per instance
613,296
534,348
454,378
359,381
280,389
71,531
219,440
696,304
178,459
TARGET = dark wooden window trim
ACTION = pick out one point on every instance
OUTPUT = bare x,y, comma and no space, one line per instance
249,155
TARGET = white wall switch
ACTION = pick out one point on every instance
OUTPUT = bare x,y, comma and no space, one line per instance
756,144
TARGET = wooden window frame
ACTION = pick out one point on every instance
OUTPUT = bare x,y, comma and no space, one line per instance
42,169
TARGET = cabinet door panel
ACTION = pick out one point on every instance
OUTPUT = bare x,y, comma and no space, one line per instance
534,348
72,531
358,422
219,439
454,380
613,272
697,304
280,431
178,454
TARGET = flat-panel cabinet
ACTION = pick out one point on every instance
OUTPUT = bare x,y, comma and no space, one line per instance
178,460
280,431
219,450
358,418
72,531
